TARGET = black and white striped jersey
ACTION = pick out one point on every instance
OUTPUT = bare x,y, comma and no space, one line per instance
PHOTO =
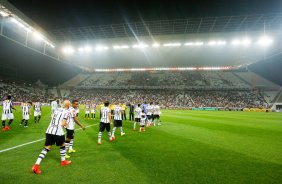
55,126
7,106
138,112
104,114
117,112
25,108
37,107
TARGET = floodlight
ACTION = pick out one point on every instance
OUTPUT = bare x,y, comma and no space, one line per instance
199,43
124,46
155,45
221,43
141,45
236,42
68,50
172,44
38,36
246,41
189,44
80,49
4,14
116,47
265,41
211,43
87,48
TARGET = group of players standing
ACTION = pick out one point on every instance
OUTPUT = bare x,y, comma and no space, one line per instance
7,113
67,116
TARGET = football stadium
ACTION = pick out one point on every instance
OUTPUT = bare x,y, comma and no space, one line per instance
141,92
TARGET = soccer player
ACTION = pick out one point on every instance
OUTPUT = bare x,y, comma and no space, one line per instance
149,113
117,120
25,113
55,134
105,122
143,120
87,110
93,110
138,112
37,111
54,106
7,113
70,128
156,114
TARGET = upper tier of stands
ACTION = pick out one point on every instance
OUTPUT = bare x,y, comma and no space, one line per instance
209,80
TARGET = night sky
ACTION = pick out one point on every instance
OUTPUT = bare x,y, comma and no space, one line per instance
50,14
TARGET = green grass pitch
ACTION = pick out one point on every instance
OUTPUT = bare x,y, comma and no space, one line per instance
189,147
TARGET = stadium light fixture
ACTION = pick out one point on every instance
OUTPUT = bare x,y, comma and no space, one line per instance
116,47
68,50
221,42
189,44
172,44
265,41
246,41
141,45
199,43
4,14
38,36
87,48
124,46
236,42
212,43
155,45
80,49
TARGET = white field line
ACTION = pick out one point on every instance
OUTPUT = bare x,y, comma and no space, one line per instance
21,145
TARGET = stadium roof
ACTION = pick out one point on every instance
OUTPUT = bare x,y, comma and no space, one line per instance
241,23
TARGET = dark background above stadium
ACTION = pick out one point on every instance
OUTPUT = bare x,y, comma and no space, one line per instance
20,63
53,14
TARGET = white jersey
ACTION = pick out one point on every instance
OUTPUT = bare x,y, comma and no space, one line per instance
54,105
37,107
104,114
117,112
93,108
55,126
143,118
138,112
156,110
25,108
72,115
7,106
149,110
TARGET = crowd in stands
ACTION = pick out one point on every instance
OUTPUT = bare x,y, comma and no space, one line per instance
169,98
175,99
22,92
166,79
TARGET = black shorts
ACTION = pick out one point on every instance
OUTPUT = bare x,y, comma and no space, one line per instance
52,139
104,126
156,116
70,134
137,119
117,123
149,116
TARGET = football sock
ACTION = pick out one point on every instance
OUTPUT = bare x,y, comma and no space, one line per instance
71,144
42,156
63,153
114,129
110,135
99,136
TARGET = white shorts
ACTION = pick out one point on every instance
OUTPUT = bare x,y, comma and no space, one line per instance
26,117
7,116
86,112
37,113
92,111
